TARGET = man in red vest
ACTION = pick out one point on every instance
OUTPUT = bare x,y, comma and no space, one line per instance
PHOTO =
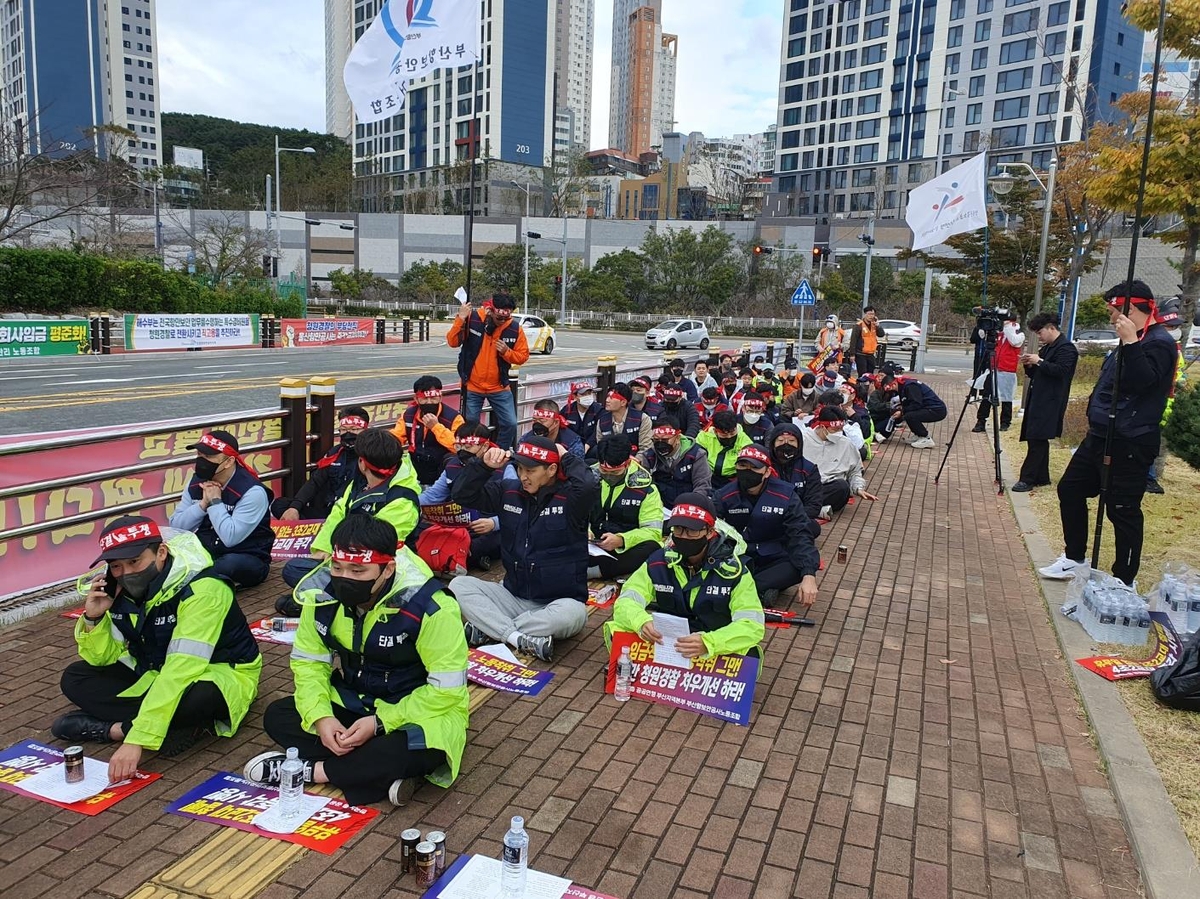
1007,358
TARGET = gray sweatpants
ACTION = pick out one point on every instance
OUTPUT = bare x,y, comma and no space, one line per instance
498,613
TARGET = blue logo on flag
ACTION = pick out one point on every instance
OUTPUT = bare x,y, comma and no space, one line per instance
417,12
804,295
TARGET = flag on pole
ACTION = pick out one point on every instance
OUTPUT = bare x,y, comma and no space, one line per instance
949,204
408,39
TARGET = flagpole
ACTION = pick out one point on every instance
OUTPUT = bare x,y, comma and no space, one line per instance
471,157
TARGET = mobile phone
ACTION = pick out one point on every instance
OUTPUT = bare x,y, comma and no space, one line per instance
110,583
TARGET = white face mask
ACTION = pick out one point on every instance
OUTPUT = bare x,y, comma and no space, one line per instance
586,399
807,391
710,406
752,417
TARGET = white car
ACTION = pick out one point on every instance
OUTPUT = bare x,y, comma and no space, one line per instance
677,332
1096,338
904,334
538,333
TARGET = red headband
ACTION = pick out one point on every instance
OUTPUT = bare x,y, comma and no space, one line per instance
548,415
1120,301
689,511
361,556
473,441
537,453
352,421
754,401
581,387
218,446
382,472
834,425
665,431
754,454
673,392
436,393
143,530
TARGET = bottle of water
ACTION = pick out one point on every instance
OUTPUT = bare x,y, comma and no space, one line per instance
516,860
291,784
624,676
1108,619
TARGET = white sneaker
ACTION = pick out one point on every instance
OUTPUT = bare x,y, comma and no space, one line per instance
879,438
923,443
1061,569
826,512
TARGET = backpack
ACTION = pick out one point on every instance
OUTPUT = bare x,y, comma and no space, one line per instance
1178,685
445,549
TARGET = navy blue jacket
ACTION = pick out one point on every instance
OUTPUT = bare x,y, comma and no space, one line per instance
260,540
773,524
1147,375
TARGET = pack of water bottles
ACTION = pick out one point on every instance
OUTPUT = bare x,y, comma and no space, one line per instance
1178,595
1109,610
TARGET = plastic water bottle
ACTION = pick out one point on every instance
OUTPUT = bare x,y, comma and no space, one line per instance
291,784
1108,619
516,860
624,676
1193,618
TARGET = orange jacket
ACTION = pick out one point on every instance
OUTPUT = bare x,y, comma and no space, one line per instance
443,435
485,376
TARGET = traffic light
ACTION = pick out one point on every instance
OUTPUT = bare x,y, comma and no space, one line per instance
558,280
760,250
816,254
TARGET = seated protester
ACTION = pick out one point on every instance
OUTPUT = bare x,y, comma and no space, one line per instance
385,487
753,419
837,460
790,378
851,430
581,410
702,379
729,387
642,401
830,378
470,442
544,513
785,446
919,406
166,652
427,429
771,519
803,401
627,519
725,368
771,405
677,406
880,406
769,384
745,389
697,576
395,707
549,422
334,471
677,463
229,509
619,417
723,440
711,402
688,386
856,411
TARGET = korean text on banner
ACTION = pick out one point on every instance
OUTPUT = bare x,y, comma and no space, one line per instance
177,332
317,332
408,39
948,204
293,539
721,687
487,670
1167,647
23,760
36,337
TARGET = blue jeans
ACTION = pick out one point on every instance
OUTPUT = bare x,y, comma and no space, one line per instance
295,570
505,408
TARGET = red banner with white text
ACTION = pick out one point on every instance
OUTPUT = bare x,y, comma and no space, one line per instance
306,332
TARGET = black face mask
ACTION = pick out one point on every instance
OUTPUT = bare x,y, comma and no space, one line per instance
727,442
689,546
350,592
663,448
672,406
465,456
429,408
137,584
748,479
206,469
348,440
785,453
541,431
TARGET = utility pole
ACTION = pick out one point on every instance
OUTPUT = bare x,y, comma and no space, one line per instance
869,240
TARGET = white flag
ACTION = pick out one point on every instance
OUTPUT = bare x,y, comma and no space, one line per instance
408,39
949,204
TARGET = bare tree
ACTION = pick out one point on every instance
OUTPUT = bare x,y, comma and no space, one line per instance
225,246
569,179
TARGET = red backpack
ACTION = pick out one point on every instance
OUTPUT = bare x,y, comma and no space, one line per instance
445,549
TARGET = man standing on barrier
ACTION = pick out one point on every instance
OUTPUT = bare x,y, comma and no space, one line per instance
1050,371
1147,354
491,344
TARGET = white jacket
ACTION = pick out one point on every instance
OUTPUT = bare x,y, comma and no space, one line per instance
836,458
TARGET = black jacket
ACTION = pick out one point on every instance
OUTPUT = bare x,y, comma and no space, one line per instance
804,476
328,481
1049,390
773,524
1147,375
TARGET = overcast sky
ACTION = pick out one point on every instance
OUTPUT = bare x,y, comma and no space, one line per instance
264,62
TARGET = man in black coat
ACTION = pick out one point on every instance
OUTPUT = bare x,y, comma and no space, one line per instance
1050,372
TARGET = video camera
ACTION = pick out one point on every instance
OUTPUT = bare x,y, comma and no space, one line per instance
989,321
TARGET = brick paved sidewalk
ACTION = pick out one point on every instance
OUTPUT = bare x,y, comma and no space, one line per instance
923,741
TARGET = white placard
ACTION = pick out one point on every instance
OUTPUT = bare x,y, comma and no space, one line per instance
480,879
274,821
672,627
51,783
177,332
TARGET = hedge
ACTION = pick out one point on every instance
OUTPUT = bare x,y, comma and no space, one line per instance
61,282
1183,426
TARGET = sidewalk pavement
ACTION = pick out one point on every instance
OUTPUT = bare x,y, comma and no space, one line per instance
922,742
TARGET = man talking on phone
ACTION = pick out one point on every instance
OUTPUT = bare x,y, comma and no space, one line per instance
166,652
491,345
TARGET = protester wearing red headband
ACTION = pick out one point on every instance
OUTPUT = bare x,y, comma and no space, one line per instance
581,410
427,429
619,417
677,463
548,422
492,344
333,472
839,462
394,710
471,441
229,509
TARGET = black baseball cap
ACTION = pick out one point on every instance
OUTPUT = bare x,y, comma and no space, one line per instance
208,444
534,450
127,538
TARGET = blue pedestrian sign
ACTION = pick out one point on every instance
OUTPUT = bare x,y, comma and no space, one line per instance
804,295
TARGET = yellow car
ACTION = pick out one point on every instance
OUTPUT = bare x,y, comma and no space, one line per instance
539,334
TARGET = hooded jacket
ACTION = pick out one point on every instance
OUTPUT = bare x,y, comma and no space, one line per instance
802,473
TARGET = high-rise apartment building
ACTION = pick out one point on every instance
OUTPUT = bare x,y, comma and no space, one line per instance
503,105
575,22
68,67
872,90
340,34
1178,76
642,86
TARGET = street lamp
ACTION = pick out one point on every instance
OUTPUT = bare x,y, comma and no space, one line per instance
1002,184
534,235
279,193
868,239
527,188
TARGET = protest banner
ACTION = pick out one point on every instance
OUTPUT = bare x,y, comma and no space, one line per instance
234,802
449,514
1167,647
489,671
720,687
180,332
455,868
25,561
293,539
302,332
43,337
23,760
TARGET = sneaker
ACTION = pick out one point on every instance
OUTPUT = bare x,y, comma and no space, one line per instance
484,563
879,438
539,647
1005,426
770,598
1152,486
1020,487
923,443
826,513
179,741
401,791
980,428
80,727
287,606
475,637
264,769
1061,569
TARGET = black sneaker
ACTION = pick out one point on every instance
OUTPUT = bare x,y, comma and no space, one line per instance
475,636
1152,486
980,428
539,647
80,727
264,769
484,563
177,742
287,606
770,598
1020,487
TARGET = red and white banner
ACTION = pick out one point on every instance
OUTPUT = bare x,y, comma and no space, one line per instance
301,332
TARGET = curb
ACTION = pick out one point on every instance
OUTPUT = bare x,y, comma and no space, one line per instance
1165,860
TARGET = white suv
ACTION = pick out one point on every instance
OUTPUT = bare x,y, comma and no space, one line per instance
677,333
904,334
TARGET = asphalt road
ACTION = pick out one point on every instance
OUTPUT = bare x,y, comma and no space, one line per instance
37,396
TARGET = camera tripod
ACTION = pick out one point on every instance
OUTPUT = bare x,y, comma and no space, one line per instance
988,371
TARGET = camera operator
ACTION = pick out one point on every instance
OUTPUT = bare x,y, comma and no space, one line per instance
1004,372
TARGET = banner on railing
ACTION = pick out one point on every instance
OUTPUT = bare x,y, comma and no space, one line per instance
43,337
179,332
299,332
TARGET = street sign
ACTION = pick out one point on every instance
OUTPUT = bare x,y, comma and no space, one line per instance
804,295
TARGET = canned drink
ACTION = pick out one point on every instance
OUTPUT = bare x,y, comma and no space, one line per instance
439,845
283,625
843,554
425,865
73,764
408,850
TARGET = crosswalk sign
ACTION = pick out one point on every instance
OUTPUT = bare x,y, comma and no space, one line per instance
804,295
